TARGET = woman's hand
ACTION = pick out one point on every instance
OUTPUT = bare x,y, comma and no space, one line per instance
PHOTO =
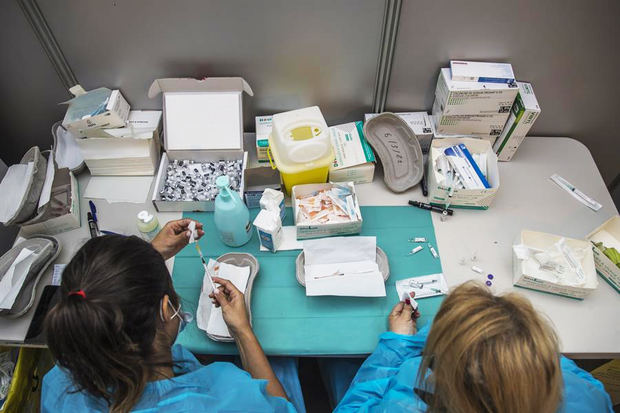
232,302
402,319
174,236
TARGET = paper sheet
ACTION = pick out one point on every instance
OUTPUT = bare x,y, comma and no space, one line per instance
134,189
68,154
425,286
14,278
46,192
343,266
209,318
57,275
289,240
15,182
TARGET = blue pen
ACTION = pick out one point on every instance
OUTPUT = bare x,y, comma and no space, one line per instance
93,210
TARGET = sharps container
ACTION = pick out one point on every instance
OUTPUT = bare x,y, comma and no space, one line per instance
301,147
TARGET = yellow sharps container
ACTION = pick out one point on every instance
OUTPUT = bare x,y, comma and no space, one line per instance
301,147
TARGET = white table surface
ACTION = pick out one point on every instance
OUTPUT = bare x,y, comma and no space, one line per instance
527,199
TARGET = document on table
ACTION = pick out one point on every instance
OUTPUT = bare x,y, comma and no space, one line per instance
14,278
209,317
343,266
134,189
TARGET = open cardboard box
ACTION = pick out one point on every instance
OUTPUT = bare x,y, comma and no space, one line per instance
462,198
306,231
203,122
544,241
609,235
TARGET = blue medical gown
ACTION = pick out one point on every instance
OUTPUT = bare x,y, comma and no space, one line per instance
196,388
384,383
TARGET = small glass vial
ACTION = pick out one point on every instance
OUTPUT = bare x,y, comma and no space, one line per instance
148,225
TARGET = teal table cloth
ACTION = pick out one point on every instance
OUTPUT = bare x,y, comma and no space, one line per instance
286,321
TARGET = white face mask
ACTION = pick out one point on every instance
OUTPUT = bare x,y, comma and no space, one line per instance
184,316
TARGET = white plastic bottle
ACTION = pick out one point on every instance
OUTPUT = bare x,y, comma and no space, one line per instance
148,225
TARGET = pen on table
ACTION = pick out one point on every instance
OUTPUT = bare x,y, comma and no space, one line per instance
92,226
429,207
424,186
93,210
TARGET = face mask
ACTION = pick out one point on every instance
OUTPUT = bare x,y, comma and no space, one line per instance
184,316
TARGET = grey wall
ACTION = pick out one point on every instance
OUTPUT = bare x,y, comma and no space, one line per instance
568,50
324,52
30,90
292,53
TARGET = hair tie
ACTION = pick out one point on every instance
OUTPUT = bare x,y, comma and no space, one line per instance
81,293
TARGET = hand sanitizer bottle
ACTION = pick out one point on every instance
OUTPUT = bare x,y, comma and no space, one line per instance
232,217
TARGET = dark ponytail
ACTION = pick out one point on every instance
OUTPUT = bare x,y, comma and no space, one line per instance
104,336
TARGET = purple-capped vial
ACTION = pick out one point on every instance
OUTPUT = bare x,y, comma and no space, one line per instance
490,276
489,283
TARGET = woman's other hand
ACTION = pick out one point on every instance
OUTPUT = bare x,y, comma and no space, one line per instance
402,319
174,236
232,302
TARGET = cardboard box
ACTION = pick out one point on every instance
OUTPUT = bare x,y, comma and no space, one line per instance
465,71
263,129
544,241
523,114
257,180
65,222
462,198
203,122
98,108
354,159
472,98
132,150
419,122
323,230
609,235
479,125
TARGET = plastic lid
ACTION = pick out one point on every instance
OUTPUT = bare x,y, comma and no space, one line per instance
222,181
145,217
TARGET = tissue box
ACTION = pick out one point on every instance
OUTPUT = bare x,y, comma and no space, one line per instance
609,235
354,158
132,150
462,198
95,109
203,122
523,114
419,122
472,98
263,129
545,241
305,231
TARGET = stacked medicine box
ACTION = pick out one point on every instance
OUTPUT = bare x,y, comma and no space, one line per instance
477,109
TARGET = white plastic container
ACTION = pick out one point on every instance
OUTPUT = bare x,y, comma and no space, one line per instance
148,225
301,146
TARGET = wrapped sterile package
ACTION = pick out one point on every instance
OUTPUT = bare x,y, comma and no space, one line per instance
326,210
554,264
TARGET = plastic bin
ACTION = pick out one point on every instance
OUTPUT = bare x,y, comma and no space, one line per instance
301,147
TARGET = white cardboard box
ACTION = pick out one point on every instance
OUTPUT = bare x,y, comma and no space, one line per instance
466,71
82,115
609,235
462,198
263,129
480,125
472,98
132,150
419,122
62,223
354,159
203,121
544,241
323,230
523,114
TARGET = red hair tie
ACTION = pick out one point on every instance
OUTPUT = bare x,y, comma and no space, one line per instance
81,293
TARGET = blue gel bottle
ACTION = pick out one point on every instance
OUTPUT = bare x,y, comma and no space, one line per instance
232,217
